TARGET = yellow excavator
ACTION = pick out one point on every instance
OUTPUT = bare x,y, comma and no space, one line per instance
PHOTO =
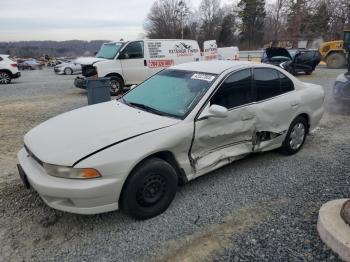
334,52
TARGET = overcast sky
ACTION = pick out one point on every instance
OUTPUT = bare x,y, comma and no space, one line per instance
74,19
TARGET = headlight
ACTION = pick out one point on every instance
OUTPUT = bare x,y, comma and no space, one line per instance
70,172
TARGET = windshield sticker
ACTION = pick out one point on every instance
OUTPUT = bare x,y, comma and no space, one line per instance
204,77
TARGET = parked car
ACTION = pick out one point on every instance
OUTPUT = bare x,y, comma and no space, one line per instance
179,124
129,63
341,88
68,68
52,63
8,69
32,64
294,60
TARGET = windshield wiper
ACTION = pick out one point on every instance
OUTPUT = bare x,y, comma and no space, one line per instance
147,108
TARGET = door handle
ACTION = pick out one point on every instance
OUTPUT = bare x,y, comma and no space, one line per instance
145,62
247,117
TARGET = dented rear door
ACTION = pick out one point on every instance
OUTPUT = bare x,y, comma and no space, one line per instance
276,107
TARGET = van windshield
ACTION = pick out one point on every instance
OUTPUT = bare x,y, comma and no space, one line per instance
109,51
170,92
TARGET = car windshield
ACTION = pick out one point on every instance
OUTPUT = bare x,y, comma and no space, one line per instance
109,51
170,92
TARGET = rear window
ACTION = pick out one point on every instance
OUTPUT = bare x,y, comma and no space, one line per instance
267,83
270,83
286,84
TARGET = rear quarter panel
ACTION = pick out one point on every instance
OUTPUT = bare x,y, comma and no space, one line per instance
312,102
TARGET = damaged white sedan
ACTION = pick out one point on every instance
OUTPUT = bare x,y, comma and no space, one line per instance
183,122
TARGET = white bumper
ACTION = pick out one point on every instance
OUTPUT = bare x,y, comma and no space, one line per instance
76,196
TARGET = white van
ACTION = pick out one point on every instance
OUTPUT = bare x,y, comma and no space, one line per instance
228,53
130,63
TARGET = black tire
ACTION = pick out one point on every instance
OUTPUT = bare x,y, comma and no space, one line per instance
117,85
308,72
336,61
5,78
287,148
68,71
149,189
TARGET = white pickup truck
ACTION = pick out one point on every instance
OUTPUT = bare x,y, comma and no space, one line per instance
130,63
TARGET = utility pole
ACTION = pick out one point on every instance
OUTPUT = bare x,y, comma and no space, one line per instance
182,6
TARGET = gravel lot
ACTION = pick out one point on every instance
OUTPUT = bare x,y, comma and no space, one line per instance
263,207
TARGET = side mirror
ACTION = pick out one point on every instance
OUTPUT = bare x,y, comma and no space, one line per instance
214,111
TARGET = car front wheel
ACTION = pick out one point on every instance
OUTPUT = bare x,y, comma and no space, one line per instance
295,136
150,189
117,85
5,78
68,71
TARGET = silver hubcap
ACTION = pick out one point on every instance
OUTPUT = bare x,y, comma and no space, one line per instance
114,86
4,78
297,136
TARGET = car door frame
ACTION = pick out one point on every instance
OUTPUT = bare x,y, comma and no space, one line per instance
143,68
199,172
302,66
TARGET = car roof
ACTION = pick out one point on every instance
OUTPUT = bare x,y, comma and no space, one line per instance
213,67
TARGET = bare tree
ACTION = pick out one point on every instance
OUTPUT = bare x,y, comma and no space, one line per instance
339,17
276,12
211,19
167,19
252,14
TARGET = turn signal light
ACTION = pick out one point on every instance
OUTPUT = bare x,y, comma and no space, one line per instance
90,173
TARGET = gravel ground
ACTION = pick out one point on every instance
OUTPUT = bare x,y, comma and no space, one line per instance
263,207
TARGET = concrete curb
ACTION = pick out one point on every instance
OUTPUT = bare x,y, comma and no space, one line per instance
333,230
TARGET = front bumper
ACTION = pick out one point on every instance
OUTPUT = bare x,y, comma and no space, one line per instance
80,82
17,75
90,196
58,70
341,90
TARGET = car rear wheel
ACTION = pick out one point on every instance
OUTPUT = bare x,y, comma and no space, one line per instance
68,71
149,189
117,85
295,136
5,78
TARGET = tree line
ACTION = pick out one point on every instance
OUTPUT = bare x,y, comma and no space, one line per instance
36,49
249,24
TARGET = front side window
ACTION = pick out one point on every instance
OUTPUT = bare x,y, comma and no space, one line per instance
109,51
267,83
235,91
170,92
133,50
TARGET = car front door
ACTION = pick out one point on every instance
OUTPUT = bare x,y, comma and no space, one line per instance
133,63
276,103
218,141
304,62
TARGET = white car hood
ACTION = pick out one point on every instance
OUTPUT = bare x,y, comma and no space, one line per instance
67,138
88,60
